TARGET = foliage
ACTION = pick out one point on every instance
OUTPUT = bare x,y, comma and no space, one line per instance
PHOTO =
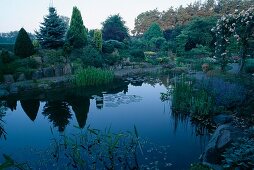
7,46
93,77
137,55
154,31
97,37
240,154
107,48
10,163
23,46
186,99
77,33
158,44
10,38
5,57
52,31
116,44
114,29
240,25
249,67
91,57
200,167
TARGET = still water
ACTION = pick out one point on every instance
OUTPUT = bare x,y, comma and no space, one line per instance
31,119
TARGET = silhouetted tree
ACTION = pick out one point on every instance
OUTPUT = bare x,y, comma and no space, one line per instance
31,108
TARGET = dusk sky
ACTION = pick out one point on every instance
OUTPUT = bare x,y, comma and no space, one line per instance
15,14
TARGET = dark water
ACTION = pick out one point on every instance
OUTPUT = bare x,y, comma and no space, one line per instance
29,119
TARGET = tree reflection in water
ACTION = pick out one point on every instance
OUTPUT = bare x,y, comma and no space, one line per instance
80,106
58,112
30,107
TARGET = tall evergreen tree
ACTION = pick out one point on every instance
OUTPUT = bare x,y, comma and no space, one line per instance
23,46
98,39
114,29
77,34
52,31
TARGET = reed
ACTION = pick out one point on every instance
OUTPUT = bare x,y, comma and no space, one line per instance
93,77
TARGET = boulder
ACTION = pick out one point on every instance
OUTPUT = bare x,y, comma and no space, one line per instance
223,136
21,77
8,79
67,69
58,71
13,88
48,72
3,93
38,74
222,119
37,59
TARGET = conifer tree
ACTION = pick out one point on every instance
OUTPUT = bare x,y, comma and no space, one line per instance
77,34
52,31
23,46
98,39
154,31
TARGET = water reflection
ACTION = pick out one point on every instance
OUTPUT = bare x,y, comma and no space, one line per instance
30,107
2,114
58,112
80,106
11,104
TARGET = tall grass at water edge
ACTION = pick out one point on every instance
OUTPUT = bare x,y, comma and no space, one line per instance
93,77
187,99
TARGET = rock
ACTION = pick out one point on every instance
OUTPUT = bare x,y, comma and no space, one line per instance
13,88
58,71
223,136
37,59
222,119
8,79
48,72
37,75
67,69
21,77
3,93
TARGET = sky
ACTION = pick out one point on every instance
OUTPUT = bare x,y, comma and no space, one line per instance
15,14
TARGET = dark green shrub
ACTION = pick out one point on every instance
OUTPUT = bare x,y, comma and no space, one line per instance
107,48
23,45
6,46
91,57
137,55
111,59
5,57
116,44
249,66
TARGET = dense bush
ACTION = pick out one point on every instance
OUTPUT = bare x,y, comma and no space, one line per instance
91,57
5,57
137,55
107,48
6,46
249,66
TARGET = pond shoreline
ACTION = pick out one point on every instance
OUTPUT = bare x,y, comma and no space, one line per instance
51,83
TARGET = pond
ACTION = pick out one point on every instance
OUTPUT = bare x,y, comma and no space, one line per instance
31,121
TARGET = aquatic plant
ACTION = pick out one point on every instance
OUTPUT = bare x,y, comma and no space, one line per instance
187,99
96,149
10,163
198,166
93,76
2,114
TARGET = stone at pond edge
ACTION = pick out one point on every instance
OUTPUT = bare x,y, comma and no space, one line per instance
8,78
21,77
13,88
58,71
48,72
221,138
67,69
222,119
38,74
3,93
